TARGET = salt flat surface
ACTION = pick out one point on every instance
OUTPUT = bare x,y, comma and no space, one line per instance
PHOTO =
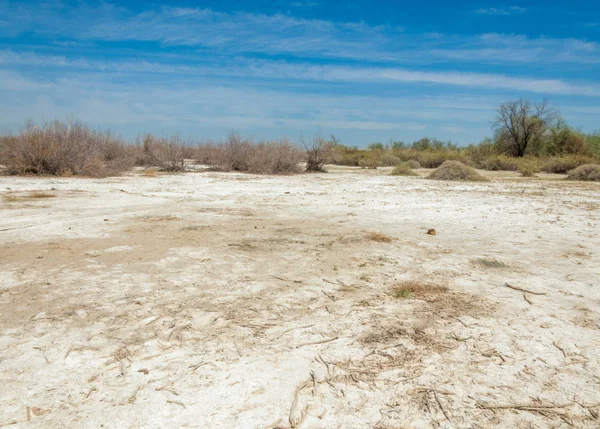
215,300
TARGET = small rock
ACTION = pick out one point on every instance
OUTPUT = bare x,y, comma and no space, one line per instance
431,231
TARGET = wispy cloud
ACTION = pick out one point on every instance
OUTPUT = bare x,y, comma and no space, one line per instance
274,35
280,70
191,68
512,10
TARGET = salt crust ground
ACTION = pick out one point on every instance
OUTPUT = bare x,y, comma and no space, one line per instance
214,300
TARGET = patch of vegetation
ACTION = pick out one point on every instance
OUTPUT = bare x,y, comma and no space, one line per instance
413,163
490,263
529,166
415,289
403,169
500,163
33,195
587,172
379,237
455,170
563,164
65,149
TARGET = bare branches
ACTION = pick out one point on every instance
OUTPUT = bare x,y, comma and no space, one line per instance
318,152
521,124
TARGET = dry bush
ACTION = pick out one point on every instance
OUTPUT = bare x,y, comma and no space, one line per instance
435,158
318,153
454,170
563,164
500,163
370,161
65,148
166,153
416,289
529,166
403,169
276,157
379,237
388,159
588,172
413,163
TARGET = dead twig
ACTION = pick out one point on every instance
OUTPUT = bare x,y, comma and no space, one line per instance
441,406
525,407
293,329
527,299
317,342
295,419
460,321
524,290
555,344
172,401
328,295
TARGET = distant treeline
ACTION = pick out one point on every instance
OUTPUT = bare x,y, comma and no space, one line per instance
527,136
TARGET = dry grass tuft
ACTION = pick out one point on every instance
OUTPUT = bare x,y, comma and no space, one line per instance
150,173
41,194
455,170
33,195
165,218
490,263
379,237
403,169
416,289
588,172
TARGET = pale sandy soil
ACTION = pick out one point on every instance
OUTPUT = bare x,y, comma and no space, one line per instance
214,300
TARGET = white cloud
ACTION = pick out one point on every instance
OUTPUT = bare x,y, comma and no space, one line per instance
512,10
243,33
279,70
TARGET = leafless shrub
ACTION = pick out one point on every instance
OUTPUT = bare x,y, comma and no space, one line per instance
588,172
236,154
318,153
454,170
65,148
167,153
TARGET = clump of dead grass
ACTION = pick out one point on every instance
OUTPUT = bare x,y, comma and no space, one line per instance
32,195
587,172
490,263
379,237
416,289
150,172
403,169
456,170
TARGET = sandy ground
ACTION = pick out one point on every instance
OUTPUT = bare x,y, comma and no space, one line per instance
214,300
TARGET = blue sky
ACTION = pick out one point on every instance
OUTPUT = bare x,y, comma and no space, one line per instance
363,70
